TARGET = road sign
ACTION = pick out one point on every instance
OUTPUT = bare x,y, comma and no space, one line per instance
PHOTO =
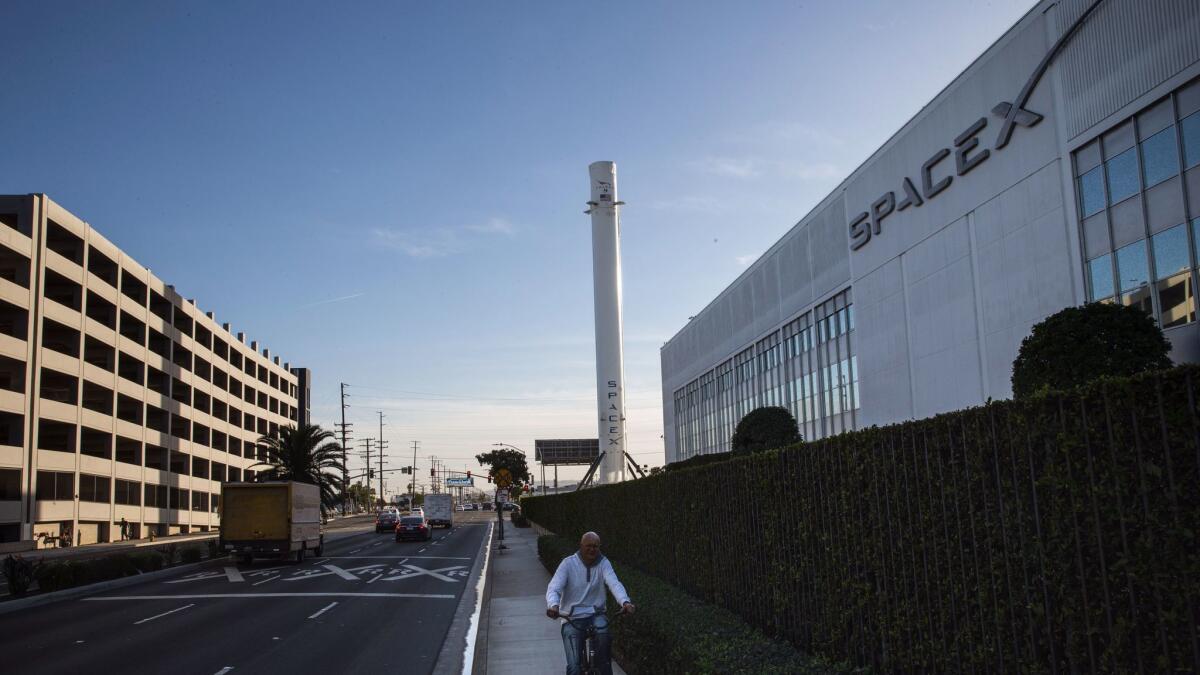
503,478
456,481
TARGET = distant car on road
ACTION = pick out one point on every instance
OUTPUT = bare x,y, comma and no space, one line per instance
413,527
470,507
509,506
386,521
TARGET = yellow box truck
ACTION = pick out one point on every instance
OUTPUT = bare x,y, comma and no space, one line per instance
280,519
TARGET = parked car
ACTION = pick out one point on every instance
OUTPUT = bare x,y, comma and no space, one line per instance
413,527
386,521
487,506
470,507
509,506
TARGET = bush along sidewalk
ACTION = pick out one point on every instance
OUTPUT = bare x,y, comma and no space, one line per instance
48,576
672,632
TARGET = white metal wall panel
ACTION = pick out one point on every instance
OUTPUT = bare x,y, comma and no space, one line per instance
1125,49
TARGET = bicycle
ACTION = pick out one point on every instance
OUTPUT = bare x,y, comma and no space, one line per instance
589,664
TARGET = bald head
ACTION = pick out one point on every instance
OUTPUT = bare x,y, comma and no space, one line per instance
589,548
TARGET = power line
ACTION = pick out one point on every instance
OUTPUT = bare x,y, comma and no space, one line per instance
442,397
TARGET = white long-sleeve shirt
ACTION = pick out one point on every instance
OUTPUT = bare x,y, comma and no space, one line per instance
578,590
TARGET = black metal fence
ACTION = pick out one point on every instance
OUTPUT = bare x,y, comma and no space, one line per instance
1054,535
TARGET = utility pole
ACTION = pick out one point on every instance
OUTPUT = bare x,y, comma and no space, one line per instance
345,429
414,468
382,445
367,441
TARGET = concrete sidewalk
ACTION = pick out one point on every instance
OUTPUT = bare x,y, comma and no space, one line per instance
520,639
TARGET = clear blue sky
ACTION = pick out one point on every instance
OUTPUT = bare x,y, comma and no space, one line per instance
392,193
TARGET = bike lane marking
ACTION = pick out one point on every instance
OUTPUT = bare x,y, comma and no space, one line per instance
414,571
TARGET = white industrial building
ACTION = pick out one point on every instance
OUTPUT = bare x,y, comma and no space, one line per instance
1063,166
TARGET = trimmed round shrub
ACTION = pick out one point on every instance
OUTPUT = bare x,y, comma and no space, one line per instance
765,428
1081,344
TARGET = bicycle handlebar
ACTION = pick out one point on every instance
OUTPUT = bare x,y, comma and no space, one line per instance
608,615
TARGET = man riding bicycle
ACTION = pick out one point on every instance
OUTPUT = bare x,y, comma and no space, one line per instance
578,585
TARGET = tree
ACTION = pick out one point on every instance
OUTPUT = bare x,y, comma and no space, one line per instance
1080,344
362,495
764,429
512,460
305,455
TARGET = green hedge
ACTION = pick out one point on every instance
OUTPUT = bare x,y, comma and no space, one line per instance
54,575
672,632
1055,534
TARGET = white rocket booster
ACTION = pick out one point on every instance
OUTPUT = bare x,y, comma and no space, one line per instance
610,359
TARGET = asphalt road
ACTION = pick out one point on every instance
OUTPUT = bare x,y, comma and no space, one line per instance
369,605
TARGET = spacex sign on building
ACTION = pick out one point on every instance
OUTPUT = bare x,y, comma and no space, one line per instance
1061,167
967,153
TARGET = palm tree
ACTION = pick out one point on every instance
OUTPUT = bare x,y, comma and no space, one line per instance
305,455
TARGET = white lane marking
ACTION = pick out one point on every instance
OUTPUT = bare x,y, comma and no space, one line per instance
79,642
323,610
394,557
224,670
421,550
200,596
356,550
260,583
234,575
159,616
340,572
473,631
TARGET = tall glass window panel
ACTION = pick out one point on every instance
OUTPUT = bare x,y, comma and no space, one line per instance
1173,277
1133,276
1196,236
1122,176
1091,191
1160,157
854,380
1189,128
1100,278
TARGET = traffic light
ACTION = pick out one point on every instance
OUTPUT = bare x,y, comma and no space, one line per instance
432,472
489,477
468,475
370,473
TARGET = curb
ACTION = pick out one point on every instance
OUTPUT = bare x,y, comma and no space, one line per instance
460,638
10,606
